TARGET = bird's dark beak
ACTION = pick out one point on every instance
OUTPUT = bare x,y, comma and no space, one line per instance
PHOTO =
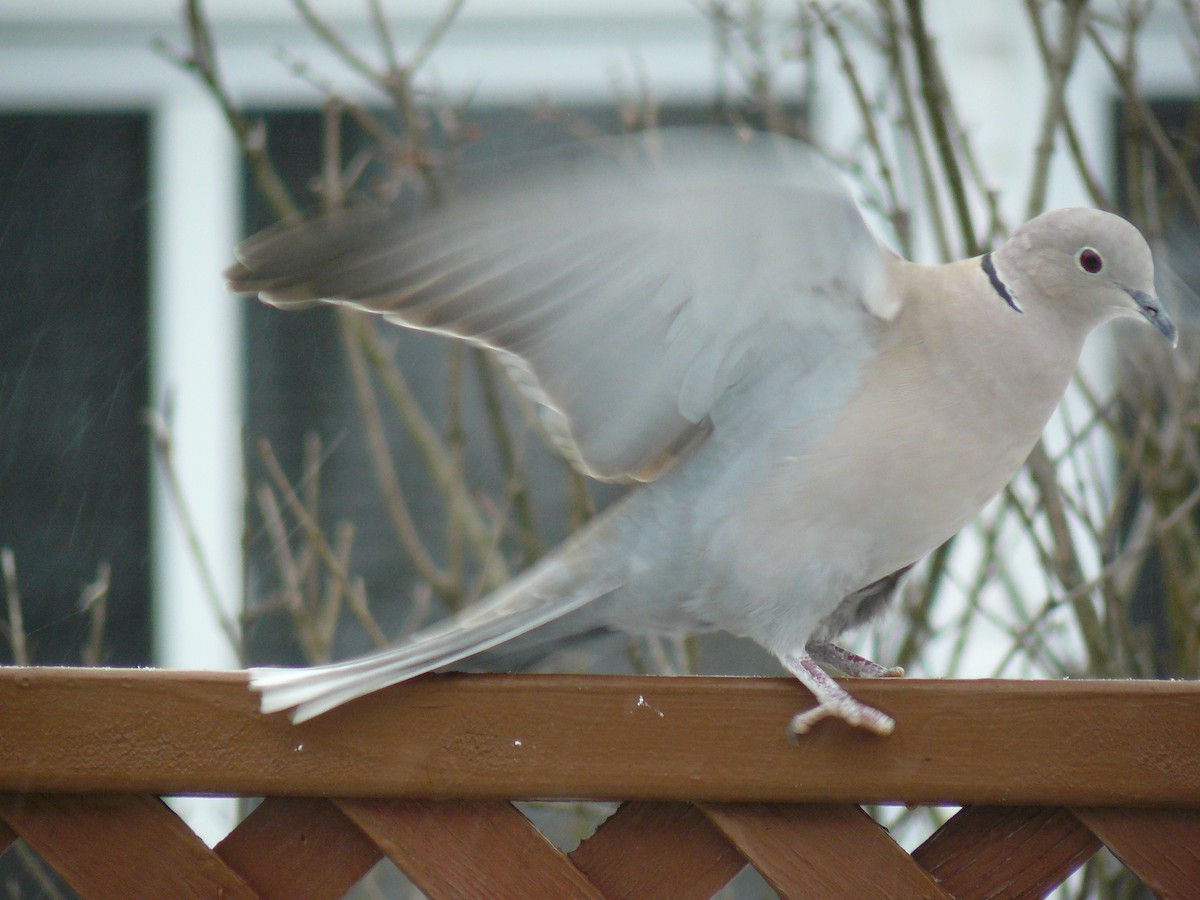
1154,313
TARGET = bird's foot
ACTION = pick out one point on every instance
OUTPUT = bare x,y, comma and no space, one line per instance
836,657
850,711
832,699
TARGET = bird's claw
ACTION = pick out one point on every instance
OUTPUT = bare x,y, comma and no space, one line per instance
833,702
850,711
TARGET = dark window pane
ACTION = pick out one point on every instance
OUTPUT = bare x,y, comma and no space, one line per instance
73,374
1151,611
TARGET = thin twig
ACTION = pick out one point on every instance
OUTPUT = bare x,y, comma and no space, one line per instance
910,126
93,600
1051,59
456,442
316,540
895,209
937,104
350,329
433,453
161,439
918,614
434,36
289,575
16,620
516,484
380,26
251,137
341,49
1058,63
330,608
47,885
1136,551
1149,125
308,576
1065,558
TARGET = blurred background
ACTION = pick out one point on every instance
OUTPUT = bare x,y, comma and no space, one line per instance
189,479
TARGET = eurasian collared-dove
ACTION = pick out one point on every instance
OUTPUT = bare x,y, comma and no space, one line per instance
811,413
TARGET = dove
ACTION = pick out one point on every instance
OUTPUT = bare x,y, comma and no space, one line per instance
706,315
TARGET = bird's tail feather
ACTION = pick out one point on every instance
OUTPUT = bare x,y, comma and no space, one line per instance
543,594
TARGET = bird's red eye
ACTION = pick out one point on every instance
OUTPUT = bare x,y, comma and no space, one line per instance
1090,261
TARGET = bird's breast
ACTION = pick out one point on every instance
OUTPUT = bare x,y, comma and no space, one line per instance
908,461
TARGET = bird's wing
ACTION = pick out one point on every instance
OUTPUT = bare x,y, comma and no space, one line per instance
629,287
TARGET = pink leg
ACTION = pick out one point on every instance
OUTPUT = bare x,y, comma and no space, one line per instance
842,660
832,700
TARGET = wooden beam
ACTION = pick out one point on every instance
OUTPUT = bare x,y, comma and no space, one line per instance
1160,846
298,847
1076,743
117,847
1017,852
458,850
658,851
821,850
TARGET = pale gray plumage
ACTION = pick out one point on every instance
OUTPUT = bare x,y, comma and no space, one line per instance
711,315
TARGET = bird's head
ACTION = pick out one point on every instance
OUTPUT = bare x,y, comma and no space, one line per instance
1091,265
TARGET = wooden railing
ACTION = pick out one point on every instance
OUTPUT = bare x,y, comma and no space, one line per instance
423,773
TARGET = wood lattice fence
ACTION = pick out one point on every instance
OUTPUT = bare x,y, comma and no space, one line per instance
424,773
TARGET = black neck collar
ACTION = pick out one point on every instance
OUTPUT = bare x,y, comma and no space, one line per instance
989,269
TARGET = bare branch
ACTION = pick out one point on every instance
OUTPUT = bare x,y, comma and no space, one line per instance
16,620
937,105
434,36
1059,62
1149,125
201,61
93,600
160,433
350,328
316,540
516,483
